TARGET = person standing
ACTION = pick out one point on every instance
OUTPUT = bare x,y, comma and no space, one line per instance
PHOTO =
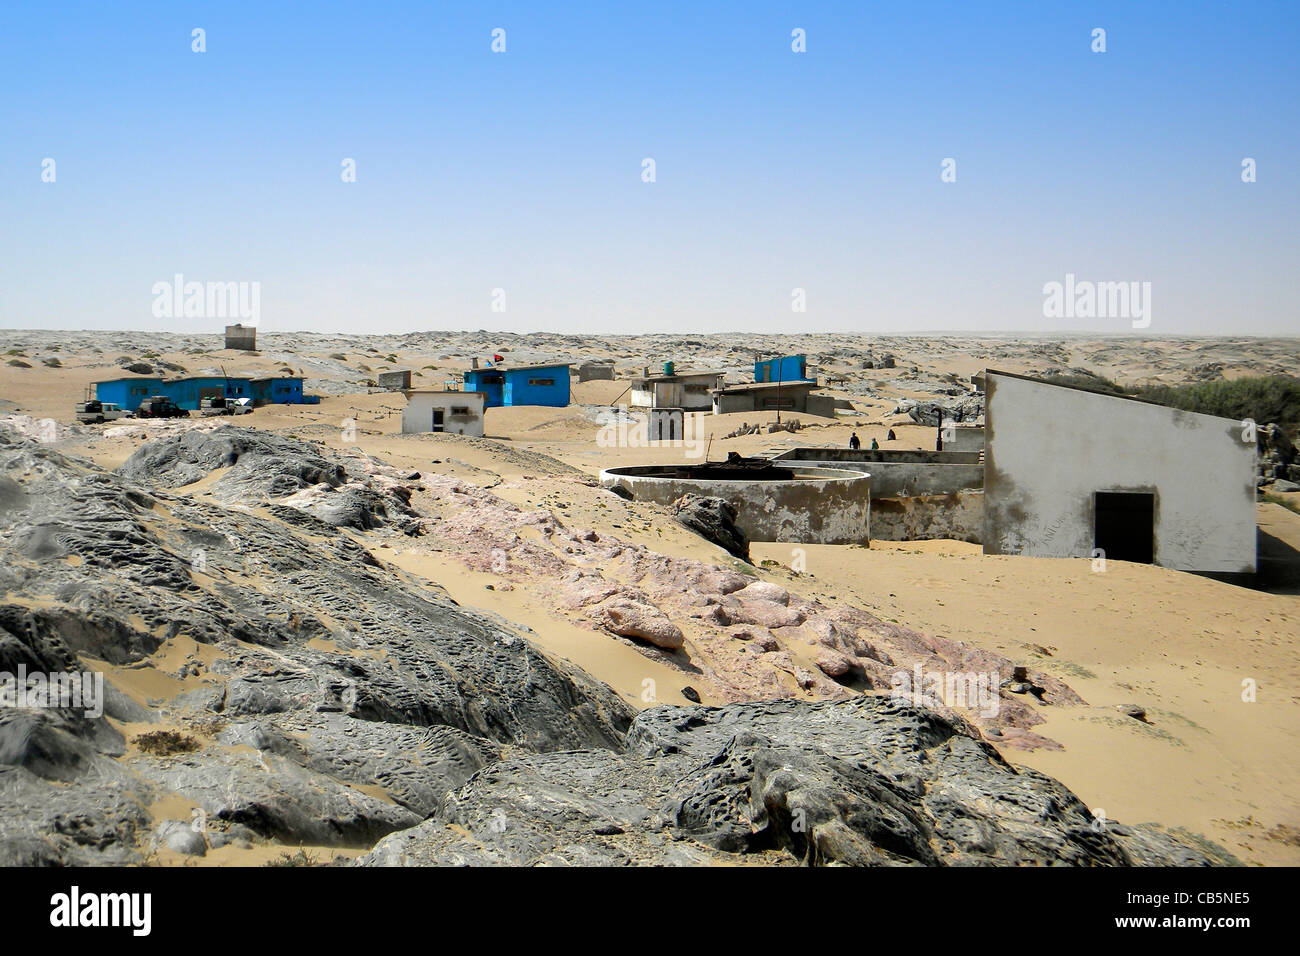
854,442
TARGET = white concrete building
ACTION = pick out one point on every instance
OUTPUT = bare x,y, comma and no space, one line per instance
457,413
1070,473
690,391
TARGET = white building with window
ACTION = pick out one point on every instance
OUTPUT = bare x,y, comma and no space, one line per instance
690,391
456,413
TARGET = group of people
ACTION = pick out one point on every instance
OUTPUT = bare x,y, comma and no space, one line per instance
855,442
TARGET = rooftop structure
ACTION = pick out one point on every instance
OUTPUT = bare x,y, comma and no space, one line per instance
520,384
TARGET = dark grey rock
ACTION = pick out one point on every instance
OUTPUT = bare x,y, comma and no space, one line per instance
867,781
181,837
713,519
432,734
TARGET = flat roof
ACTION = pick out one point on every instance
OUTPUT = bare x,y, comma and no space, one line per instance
689,373
757,386
515,368
408,392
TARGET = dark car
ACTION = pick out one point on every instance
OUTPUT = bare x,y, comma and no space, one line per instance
160,407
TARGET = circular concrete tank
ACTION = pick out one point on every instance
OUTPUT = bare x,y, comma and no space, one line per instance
773,502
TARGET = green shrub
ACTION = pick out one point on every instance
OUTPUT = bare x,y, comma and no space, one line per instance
1271,398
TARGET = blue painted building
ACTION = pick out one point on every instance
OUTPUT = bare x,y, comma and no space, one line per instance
520,385
128,393
190,392
787,368
283,390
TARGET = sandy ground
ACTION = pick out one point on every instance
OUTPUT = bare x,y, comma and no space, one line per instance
1180,645
1187,648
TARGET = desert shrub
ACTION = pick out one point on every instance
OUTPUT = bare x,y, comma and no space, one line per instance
1265,398
1286,503
160,743
301,858
1097,383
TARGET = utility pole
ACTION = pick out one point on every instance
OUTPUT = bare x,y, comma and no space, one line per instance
779,372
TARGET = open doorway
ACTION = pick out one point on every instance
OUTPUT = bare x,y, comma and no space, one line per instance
438,420
1124,525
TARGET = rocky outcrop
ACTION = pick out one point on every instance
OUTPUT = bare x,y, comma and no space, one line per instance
713,519
867,781
327,678
964,408
300,692
1277,455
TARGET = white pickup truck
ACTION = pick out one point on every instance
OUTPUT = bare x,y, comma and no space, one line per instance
97,411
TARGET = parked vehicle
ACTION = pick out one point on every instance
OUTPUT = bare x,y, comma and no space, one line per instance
214,406
99,412
240,406
159,406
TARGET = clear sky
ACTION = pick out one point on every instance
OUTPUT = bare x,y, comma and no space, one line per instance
774,170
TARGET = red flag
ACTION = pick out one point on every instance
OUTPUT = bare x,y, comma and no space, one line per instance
497,358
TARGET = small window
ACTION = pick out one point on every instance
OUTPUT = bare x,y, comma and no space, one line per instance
541,381
460,409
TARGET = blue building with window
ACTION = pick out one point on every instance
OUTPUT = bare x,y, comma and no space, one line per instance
284,390
128,393
520,385
787,368
190,392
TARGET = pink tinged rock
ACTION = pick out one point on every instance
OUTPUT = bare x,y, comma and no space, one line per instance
714,615
767,614
764,591
630,619
835,665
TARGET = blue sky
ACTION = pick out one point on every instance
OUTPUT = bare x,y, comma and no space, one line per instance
774,170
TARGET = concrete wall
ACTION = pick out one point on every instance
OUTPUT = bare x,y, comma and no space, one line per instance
418,414
592,372
958,516
241,337
899,473
396,380
830,507
964,438
1049,449
791,397
825,405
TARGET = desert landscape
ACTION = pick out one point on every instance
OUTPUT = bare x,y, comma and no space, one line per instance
325,640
